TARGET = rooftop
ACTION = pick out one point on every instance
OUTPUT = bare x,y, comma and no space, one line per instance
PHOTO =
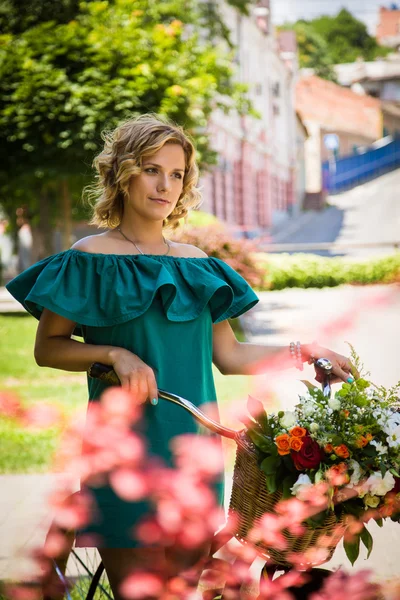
338,109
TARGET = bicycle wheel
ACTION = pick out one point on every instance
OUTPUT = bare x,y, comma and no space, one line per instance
86,575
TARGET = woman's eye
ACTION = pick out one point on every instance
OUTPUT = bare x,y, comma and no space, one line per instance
150,170
179,176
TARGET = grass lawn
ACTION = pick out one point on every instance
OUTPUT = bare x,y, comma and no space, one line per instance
24,451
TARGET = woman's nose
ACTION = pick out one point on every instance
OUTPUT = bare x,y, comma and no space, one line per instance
164,183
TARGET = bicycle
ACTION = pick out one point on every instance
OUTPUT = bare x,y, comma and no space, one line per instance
90,582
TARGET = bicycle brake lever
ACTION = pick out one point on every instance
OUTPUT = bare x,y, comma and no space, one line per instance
324,367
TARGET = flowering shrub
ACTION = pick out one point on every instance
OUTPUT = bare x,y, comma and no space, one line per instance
347,447
186,514
215,241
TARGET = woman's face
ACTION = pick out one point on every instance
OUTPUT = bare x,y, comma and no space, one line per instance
155,192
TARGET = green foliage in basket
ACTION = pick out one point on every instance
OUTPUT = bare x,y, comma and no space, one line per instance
346,447
311,271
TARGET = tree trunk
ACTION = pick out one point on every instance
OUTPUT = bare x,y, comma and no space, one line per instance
66,224
43,232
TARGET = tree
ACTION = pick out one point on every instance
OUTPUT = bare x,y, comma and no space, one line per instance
62,83
347,38
313,51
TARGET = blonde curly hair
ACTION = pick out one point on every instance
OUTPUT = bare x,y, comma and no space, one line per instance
121,159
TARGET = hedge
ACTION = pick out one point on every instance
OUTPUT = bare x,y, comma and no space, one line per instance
312,271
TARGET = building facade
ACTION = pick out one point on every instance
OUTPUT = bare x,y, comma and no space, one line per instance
325,109
388,29
253,187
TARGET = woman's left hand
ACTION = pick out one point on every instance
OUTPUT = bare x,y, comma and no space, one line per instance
342,370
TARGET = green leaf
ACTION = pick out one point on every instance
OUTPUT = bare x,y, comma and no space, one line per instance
271,483
352,549
256,409
394,472
270,465
310,386
261,441
370,451
317,520
367,540
287,484
379,522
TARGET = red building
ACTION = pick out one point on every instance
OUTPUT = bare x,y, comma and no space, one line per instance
388,29
254,184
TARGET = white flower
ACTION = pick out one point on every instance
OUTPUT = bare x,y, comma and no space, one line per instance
380,448
308,409
392,428
379,486
303,482
372,501
288,420
314,427
357,472
361,490
334,404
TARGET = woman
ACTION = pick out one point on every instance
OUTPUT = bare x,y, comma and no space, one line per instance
153,309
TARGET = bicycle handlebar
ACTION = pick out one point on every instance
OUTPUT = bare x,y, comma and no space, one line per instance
107,374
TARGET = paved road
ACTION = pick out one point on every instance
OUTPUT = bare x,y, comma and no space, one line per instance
279,318
368,213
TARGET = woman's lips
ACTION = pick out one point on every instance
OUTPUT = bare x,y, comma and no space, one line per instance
160,200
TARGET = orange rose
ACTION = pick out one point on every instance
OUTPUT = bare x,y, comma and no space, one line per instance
295,443
337,474
346,413
298,432
283,443
342,451
369,437
328,448
361,442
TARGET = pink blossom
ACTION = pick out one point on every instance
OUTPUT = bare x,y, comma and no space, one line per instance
149,531
129,484
142,585
293,510
73,511
341,586
22,592
10,405
196,454
56,544
42,416
119,407
269,530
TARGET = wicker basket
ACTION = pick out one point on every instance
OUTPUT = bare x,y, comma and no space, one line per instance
250,500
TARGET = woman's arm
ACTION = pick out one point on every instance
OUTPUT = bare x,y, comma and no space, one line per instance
54,348
241,358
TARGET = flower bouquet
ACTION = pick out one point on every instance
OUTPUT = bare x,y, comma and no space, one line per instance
339,456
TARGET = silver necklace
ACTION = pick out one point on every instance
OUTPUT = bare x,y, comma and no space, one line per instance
137,247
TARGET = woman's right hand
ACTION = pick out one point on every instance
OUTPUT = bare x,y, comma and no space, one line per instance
134,374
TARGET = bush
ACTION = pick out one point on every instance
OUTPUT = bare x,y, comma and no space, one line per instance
309,270
215,241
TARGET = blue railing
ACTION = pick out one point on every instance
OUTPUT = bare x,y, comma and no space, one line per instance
347,172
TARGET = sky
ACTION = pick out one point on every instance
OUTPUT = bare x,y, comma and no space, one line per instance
291,10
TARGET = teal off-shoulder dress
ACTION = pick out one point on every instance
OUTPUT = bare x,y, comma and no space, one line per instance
162,309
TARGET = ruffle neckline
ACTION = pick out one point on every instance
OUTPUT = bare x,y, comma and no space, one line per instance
100,290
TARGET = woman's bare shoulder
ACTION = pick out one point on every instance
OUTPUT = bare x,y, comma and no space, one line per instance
102,243
187,250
